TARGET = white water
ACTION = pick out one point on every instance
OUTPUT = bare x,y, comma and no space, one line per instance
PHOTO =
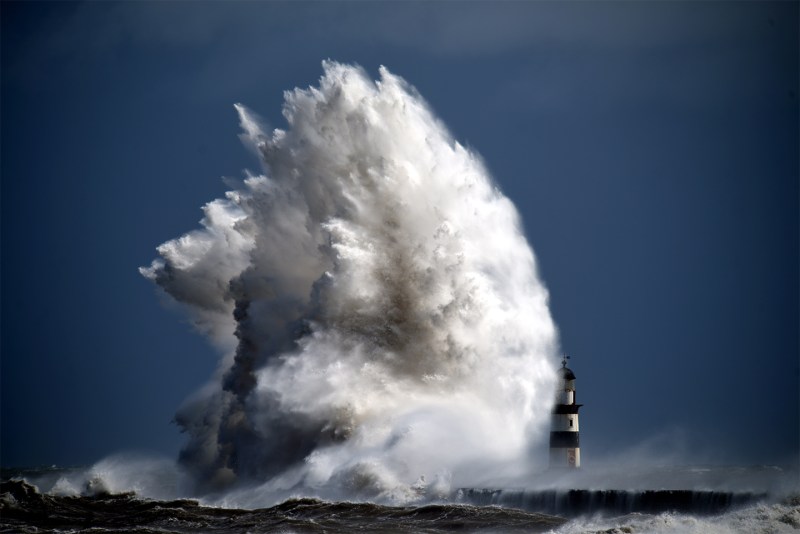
764,518
384,331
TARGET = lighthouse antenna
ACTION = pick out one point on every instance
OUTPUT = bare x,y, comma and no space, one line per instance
564,360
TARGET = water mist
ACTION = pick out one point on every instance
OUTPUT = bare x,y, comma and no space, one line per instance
388,334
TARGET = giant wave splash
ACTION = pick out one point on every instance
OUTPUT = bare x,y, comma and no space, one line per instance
384,328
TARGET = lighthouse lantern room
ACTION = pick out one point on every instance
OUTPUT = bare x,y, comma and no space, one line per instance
565,451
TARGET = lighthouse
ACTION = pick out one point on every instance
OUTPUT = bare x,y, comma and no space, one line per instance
565,450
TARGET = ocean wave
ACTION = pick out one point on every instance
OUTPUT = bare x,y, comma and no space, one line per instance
24,509
766,518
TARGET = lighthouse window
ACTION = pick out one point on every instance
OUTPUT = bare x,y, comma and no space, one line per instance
570,421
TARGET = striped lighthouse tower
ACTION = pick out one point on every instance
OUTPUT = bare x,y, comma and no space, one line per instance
565,448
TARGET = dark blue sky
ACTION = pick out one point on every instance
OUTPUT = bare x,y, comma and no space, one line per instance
651,149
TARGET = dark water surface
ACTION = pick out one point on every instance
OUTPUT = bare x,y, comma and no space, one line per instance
674,500
24,509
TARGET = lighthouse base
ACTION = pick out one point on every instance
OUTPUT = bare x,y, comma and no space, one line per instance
565,457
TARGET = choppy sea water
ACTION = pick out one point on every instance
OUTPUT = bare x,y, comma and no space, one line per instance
770,504
24,509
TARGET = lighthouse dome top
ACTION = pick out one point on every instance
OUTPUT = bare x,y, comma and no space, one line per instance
566,373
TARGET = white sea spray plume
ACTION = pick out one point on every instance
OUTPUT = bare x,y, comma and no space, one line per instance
389,334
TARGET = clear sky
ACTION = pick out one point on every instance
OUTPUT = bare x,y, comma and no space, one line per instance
651,149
